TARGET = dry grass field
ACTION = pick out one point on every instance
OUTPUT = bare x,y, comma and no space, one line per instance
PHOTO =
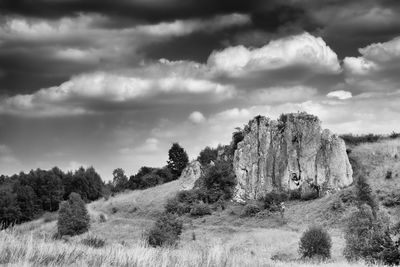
221,239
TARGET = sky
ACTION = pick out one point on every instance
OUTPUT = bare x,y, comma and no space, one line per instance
113,83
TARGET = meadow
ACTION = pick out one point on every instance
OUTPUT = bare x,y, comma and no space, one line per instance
222,239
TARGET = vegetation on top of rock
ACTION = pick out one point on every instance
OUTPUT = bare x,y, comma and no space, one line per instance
73,217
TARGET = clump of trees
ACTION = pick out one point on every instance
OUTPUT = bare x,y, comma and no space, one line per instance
26,196
73,217
148,177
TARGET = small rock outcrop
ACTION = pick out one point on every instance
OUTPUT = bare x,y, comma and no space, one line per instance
292,153
190,175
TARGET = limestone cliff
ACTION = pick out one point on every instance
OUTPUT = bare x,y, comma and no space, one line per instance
288,154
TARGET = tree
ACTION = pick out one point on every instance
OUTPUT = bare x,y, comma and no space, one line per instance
27,202
365,194
120,180
178,159
207,155
367,237
9,211
73,217
219,181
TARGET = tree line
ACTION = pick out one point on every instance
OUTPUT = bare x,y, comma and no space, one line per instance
148,176
26,196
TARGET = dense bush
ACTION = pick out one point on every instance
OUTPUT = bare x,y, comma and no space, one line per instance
250,210
218,182
315,243
367,237
273,200
94,242
150,177
165,231
185,201
207,155
294,194
73,217
200,209
174,206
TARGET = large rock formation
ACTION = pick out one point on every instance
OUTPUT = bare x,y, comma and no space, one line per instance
289,154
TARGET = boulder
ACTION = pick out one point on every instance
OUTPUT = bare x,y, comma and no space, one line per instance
190,175
286,153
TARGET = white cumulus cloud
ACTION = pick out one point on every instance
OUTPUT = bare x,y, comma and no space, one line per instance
197,117
340,94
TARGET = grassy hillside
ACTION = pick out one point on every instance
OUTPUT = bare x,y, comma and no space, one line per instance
221,239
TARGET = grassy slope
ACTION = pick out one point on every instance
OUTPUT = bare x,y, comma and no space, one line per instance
222,236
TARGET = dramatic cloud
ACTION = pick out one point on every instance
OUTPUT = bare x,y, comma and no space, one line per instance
86,93
376,68
300,50
115,83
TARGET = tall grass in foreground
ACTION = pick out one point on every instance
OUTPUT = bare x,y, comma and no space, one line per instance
24,250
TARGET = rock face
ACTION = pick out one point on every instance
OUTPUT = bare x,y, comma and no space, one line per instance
289,154
190,175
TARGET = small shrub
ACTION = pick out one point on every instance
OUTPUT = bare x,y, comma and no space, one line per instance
174,206
337,205
49,217
394,135
347,196
200,209
315,243
73,218
102,218
294,195
250,210
93,242
114,210
273,199
165,231
388,174
391,199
